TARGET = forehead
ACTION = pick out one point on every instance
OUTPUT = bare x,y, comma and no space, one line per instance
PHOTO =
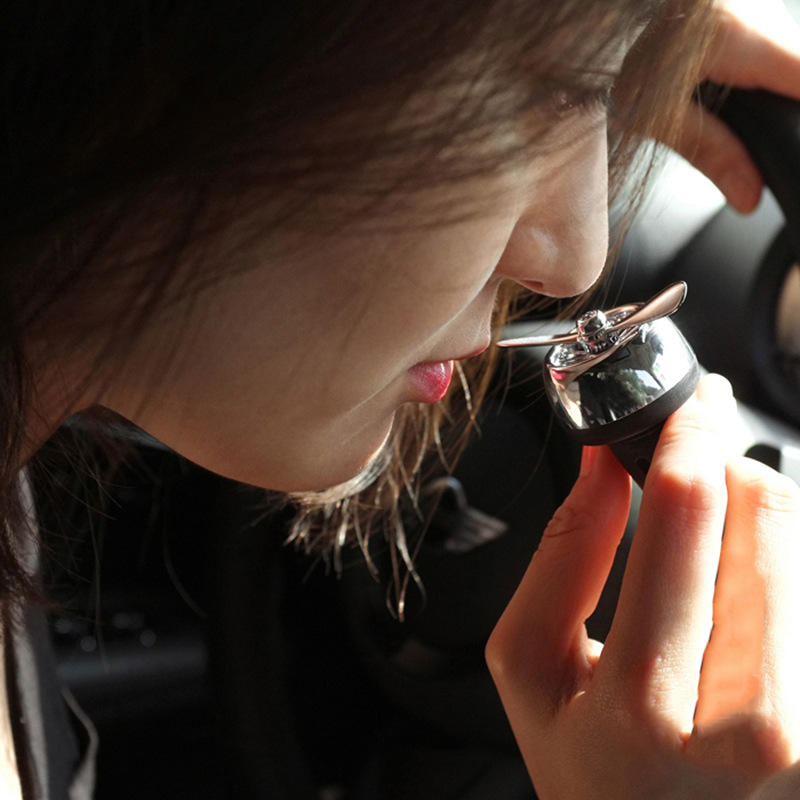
431,103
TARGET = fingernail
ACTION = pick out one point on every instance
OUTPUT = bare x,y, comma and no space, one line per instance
588,457
714,389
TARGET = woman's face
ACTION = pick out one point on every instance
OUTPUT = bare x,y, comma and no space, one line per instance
288,373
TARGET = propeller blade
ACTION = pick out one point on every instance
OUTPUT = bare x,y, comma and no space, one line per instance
666,302
539,341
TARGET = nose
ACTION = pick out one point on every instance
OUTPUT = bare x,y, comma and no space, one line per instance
560,242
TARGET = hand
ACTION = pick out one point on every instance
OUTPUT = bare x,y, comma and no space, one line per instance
756,46
660,711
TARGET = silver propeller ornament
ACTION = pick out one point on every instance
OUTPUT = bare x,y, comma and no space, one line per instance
592,323
619,374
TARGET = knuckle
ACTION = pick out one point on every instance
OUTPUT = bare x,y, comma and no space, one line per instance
509,657
771,491
495,655
704,494
566,521
504,668
520,645
689,489
509,649
524,674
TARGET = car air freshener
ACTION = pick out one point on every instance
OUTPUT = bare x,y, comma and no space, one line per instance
619,374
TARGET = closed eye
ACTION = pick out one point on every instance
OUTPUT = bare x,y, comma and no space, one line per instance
587,101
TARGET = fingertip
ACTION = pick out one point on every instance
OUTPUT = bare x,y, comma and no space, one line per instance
743,196
714,388
736,176
712,407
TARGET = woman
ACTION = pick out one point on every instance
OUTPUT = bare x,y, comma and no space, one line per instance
258,232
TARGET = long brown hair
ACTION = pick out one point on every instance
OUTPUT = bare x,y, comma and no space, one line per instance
161,124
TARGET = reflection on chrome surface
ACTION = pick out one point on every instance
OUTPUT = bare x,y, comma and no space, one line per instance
632,375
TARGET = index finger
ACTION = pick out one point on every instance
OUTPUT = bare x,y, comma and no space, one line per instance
757,46
539,650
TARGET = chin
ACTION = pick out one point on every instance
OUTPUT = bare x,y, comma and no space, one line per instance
336,481
319,464
346,472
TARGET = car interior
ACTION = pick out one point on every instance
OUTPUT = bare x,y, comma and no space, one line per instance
216,661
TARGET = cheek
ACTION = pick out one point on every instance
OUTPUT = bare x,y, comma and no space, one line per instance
291,379
429,279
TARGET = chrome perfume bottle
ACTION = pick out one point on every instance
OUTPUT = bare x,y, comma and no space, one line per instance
619,374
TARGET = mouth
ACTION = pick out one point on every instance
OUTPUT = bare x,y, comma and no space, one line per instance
430,380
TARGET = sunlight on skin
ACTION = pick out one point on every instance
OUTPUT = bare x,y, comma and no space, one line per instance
770,18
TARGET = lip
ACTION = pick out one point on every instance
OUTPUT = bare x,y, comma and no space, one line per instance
430,380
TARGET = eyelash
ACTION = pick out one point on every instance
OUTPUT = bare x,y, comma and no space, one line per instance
584,101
